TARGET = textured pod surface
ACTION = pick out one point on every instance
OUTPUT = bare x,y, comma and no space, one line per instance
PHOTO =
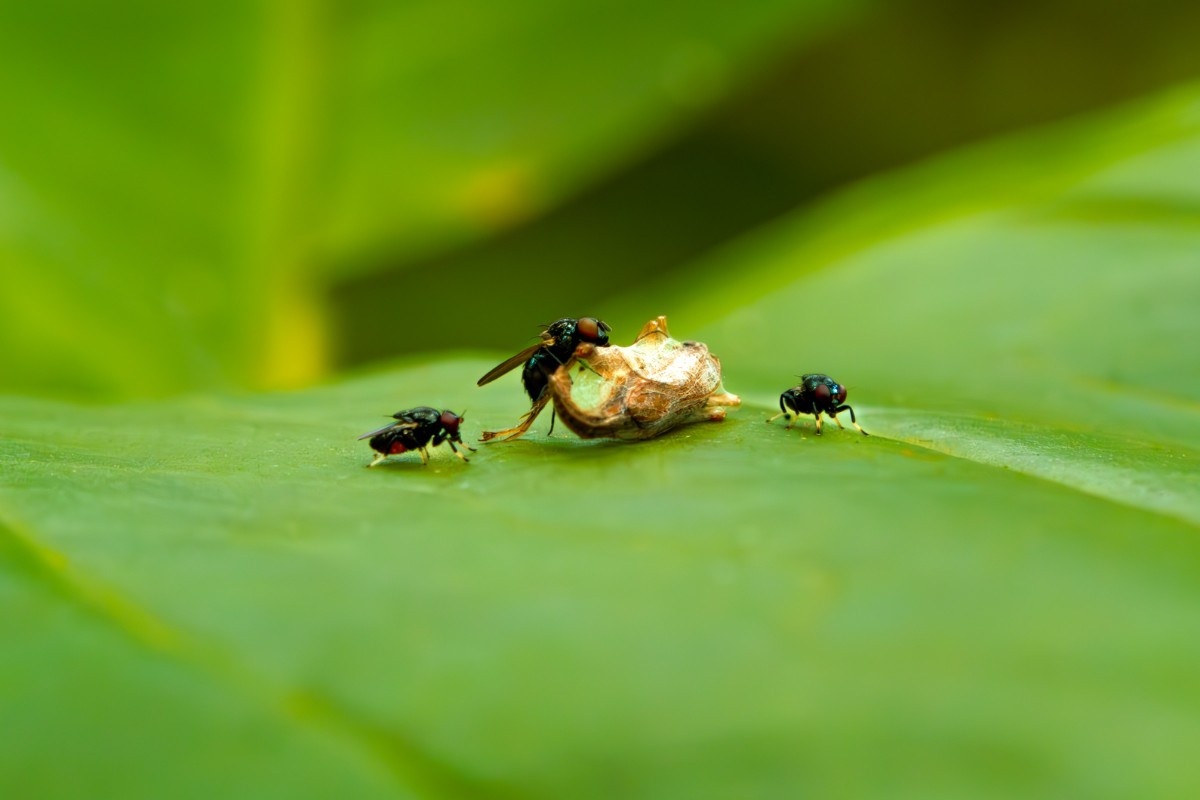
640,391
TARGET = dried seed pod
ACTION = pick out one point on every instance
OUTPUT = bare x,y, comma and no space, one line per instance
640,391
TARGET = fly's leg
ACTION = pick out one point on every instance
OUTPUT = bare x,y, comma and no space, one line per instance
853,421
465,460
512,433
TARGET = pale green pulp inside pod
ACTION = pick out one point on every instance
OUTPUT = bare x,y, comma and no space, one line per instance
589,389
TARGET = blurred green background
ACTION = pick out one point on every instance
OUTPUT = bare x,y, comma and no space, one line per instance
234,235
261,194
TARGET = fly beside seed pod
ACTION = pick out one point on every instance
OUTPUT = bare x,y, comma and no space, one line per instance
555,351
416,429
817,394
640,391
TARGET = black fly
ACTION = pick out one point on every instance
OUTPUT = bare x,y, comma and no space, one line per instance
414,429
556,349
815,395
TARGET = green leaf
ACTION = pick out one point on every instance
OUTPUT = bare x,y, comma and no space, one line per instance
993,595
732,608
173,192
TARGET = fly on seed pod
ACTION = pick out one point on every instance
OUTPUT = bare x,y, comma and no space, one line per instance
640,391
555,351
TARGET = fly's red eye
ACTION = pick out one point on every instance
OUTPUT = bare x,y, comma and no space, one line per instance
588,329
822,393
841,394
450,421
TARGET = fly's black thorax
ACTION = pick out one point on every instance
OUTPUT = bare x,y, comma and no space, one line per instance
564,336
424,416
